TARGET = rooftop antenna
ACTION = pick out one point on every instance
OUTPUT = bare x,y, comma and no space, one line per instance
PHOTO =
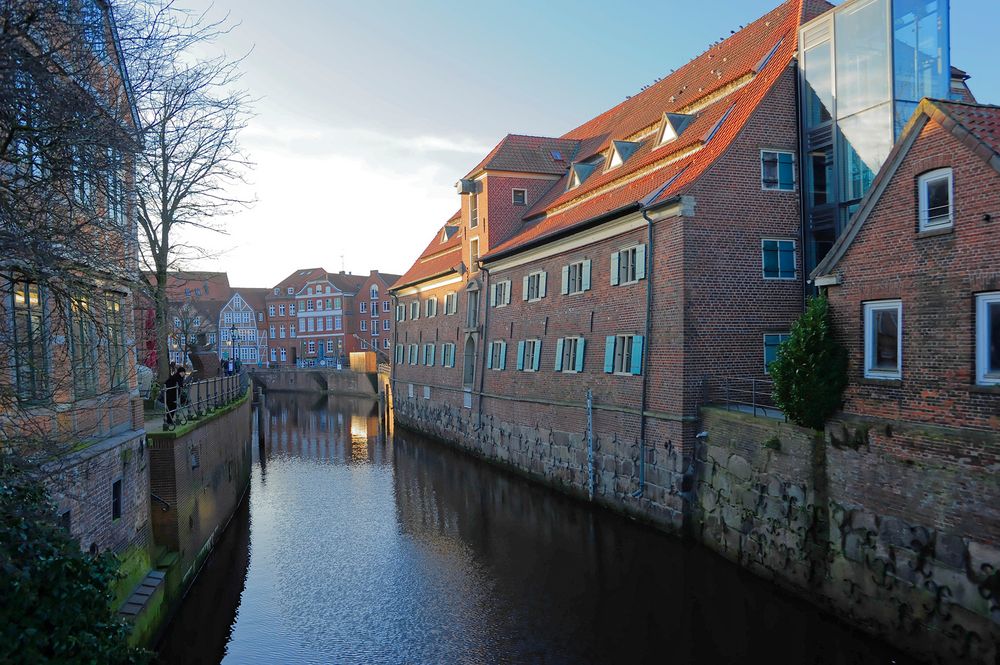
341,263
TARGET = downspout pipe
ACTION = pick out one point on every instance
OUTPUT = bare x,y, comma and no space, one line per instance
483,301
650,263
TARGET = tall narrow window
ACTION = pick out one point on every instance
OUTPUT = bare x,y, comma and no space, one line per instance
472,315
771,343
988,339
117,352
935,190
116,500
473,210
474,254
884,339
623,354
29,342
83,341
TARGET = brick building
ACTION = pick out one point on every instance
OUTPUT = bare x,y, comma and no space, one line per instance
282,317
375,314
642,258
923,330
68,394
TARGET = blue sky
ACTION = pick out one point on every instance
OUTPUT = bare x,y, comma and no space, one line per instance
369,112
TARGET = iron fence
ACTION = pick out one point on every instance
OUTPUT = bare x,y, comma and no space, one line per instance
198,399
746,395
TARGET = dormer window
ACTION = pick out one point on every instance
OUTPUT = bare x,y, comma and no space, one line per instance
621,151
580,171
672,126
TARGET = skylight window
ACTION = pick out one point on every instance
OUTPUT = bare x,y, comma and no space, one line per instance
673,125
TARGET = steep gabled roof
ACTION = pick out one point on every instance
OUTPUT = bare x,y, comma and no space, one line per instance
347,282
707,101
442,256
529,154
253,296
977,126
212,285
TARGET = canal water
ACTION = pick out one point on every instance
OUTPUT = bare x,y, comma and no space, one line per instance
353,547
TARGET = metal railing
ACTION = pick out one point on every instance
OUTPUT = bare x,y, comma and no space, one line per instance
752,396
197,399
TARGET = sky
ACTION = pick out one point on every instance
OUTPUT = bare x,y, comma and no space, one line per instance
369,112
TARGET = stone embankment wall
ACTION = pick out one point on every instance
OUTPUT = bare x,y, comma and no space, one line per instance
906,549
319,379
548,453
877,539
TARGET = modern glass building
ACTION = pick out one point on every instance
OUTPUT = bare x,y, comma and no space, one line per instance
864,67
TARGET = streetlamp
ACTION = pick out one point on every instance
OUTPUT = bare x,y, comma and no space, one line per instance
232,344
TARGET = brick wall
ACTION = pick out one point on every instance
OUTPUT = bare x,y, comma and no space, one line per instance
936,275
201,474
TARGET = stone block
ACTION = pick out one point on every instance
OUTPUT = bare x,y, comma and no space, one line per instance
775,487
950,550
732,516
740,468
721,481
854,546
983,560
894,531
862,519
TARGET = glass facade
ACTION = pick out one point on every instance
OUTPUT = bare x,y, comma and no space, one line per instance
864,67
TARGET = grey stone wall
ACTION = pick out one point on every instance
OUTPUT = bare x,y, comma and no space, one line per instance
854,529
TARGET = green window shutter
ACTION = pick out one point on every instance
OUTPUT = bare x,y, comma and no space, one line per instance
489,356
586,274
638,342
520,355
580,345
615,258
640,262
535,363
503,355
493,295
609,354
541,284
432,353
506,294
524,288
565,280
559,353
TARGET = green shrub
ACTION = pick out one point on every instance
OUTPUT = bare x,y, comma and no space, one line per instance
56,605
810,372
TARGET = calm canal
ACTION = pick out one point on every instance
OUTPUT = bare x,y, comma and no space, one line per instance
352,549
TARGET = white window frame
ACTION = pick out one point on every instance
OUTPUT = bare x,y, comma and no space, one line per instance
414,310
500,293
983,300
400,312
923,180
777,187
623,355
281,310
795,260
583,277
431,307
871,372
450,303
636,255
498,355
575,342
513,198
539,277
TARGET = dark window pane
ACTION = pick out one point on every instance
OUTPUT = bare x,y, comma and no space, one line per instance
938,199
993,338
885,332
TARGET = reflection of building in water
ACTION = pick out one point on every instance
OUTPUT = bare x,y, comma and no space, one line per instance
329,427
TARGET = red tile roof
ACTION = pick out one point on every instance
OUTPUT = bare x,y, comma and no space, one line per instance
253,296
529,154
981,120
296,280
212,285
719,89
439,258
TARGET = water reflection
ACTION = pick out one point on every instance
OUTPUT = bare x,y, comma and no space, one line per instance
404,551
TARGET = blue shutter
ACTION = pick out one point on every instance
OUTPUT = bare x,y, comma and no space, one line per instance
489,355
493,295
524,288
565,280
638,342
541,286
580,343
586,274
432,354
503,355
559,353
615,257
640,262
535,363
609,354
520,355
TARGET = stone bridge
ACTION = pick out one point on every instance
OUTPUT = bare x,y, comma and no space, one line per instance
315,379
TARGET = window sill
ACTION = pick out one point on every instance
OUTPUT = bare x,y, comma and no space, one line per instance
781,279
894,381
985,388
931,233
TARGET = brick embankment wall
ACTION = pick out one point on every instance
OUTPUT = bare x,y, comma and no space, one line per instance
553,449
906,549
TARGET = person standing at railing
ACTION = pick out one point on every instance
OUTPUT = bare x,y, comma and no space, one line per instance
172,388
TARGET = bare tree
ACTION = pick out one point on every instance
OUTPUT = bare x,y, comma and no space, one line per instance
191,113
